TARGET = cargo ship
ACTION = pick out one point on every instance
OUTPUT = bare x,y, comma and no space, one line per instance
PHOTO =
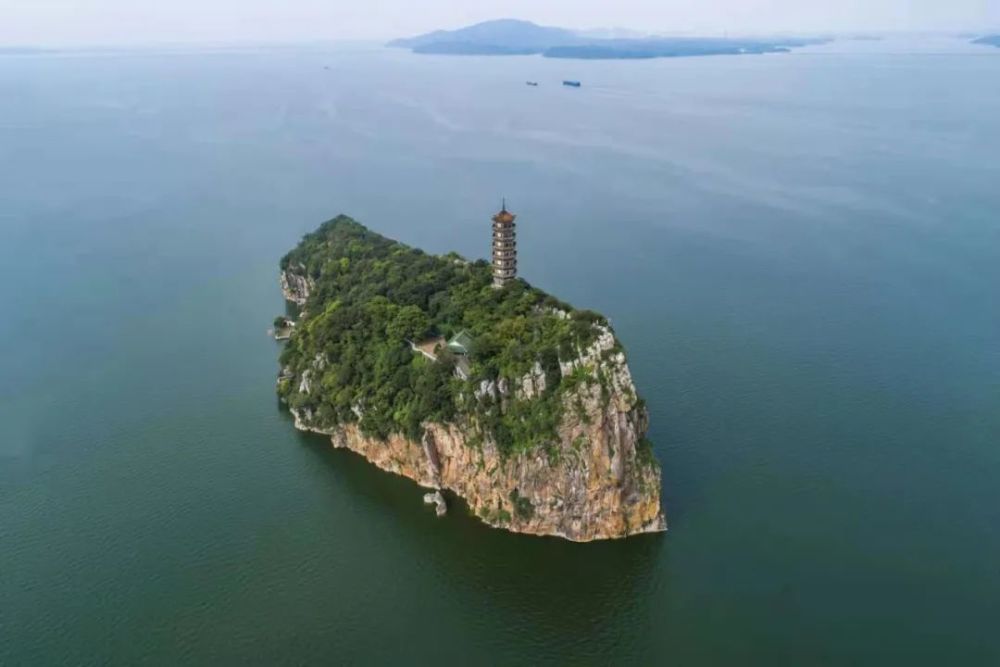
571,84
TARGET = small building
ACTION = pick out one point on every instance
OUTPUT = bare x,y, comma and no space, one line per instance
283,328
461,343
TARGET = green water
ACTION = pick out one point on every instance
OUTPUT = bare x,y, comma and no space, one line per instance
800,252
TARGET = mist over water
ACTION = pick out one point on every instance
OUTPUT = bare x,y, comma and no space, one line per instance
800,253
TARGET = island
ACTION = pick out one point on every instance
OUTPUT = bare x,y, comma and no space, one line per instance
463,377
508,37
988,40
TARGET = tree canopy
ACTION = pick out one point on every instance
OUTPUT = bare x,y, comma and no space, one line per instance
373,294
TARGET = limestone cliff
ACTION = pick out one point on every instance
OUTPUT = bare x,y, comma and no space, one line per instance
593,476
295,286
599,482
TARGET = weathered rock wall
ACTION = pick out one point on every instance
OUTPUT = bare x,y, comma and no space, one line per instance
296,287
595,482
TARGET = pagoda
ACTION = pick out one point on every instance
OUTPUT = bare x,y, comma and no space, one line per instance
504,247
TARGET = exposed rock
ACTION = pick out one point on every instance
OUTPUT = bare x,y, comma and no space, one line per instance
592,483
486,389
532,384
435,498
296,287
305,384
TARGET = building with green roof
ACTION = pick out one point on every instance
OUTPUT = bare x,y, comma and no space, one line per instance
461,343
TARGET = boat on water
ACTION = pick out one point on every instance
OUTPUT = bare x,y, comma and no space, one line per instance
531,83
571,84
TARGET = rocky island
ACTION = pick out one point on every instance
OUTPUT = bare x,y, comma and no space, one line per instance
432,369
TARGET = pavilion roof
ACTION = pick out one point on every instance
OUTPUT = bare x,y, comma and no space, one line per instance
461,342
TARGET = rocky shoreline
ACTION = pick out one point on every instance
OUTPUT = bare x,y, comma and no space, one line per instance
578,503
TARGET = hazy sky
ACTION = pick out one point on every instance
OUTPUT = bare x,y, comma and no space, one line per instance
137,21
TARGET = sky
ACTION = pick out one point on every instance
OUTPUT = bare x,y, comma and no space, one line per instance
113,22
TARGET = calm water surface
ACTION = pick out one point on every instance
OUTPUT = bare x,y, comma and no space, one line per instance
800,252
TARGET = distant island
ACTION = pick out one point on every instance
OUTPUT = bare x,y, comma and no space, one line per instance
22,50
505,37
988,40
461,376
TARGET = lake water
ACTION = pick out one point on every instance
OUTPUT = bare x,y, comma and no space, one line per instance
800,252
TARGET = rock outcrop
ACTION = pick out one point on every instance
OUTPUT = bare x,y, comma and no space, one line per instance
296,287
437,499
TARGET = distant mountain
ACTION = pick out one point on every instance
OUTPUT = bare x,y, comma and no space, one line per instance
989,40
512,37
500,37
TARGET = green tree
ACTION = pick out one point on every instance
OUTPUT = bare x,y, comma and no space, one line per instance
410,323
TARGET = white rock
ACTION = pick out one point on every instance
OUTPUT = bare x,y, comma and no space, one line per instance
435,498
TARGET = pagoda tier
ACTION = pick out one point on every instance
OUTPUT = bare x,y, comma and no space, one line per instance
504,248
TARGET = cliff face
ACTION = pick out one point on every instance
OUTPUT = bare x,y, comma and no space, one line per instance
598,480
296,287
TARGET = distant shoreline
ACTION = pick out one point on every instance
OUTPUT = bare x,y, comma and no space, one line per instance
509,37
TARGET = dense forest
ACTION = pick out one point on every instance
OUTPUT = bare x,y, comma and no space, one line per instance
372,295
